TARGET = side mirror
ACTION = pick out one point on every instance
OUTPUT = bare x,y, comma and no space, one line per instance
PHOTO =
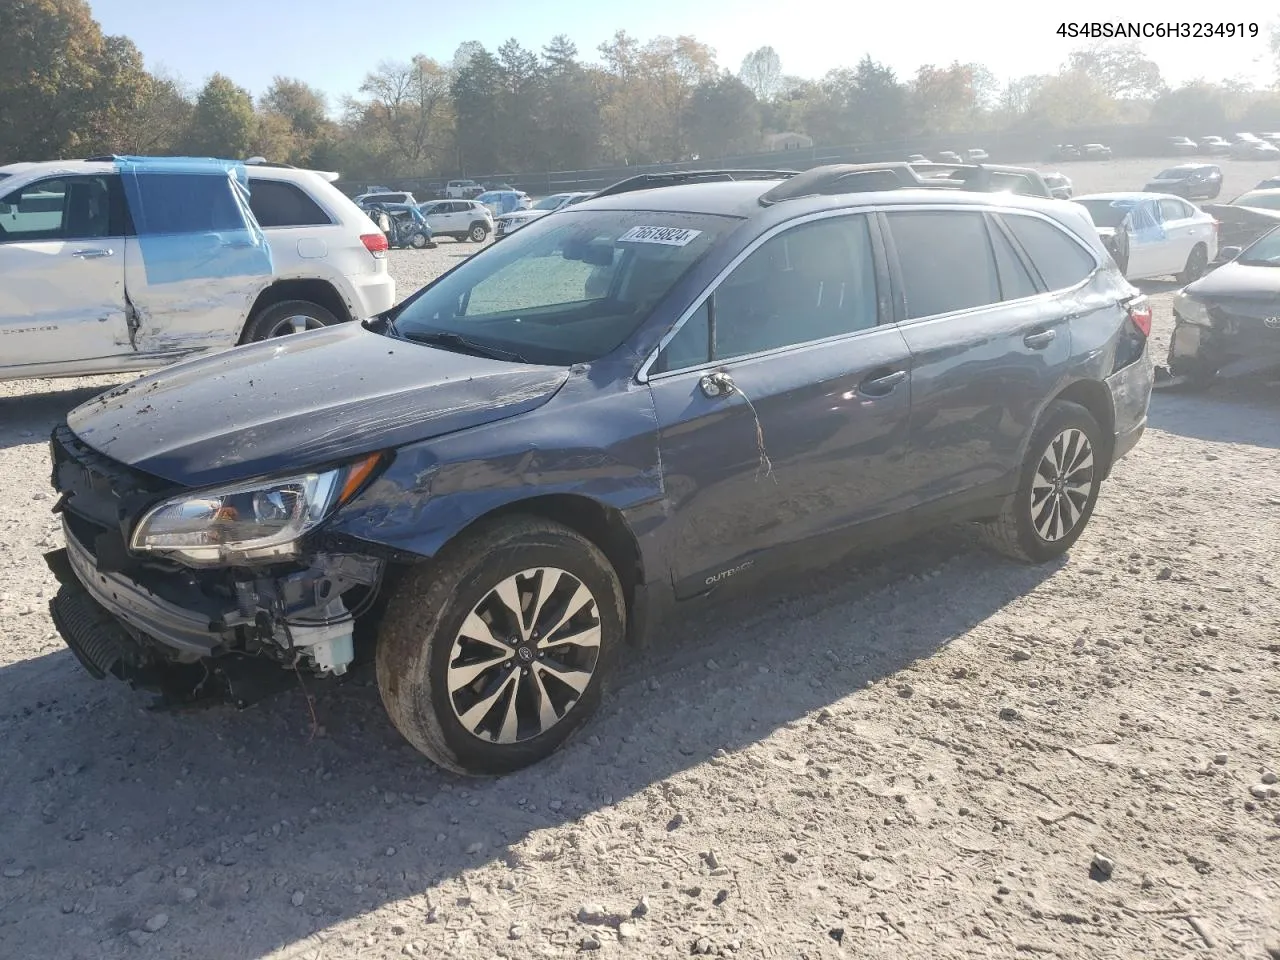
1227,254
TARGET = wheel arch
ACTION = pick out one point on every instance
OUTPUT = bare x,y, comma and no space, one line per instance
1094,396
314,290
602,524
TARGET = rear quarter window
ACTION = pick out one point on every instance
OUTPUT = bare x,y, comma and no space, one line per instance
1061,261
277,203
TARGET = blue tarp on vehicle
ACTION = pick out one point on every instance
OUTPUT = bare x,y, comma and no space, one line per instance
192,218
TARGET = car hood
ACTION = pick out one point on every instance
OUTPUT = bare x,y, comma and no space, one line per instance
302,401
1238,281
524,214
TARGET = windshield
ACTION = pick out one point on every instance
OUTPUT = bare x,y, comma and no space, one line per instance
563,290
1263,252
1107,213
549,203
1269,200
1175,173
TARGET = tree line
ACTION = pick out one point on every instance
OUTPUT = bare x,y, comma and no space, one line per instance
68,90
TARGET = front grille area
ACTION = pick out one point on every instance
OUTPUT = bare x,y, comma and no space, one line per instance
99,495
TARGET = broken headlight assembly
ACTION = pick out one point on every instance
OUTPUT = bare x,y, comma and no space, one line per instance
1190,310
252,522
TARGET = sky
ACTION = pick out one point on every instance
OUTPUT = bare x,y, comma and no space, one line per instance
331,44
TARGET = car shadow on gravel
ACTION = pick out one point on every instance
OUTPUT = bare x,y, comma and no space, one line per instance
1232,411
31,417
268,826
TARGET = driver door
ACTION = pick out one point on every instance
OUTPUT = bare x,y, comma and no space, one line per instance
62,294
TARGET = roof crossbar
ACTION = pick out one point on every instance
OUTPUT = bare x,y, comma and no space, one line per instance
647,181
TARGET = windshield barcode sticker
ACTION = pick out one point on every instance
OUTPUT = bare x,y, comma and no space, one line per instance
671,236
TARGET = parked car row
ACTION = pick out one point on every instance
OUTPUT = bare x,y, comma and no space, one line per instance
1064,152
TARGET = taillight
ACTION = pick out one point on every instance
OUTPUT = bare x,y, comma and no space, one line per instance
1140,315
376,243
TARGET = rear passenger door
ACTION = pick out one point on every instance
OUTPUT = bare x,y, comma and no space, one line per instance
989,342
1181,230
782,401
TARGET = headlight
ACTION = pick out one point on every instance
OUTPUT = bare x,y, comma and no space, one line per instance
1191,310
262,520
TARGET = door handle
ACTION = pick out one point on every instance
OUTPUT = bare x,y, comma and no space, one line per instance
93,253
882,385
1038,341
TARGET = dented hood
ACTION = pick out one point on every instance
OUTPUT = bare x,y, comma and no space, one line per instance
301,401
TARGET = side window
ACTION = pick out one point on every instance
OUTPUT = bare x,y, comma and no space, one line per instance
1015,281
276,203
1174,210
809,283
68,208
945,259
170,204
1061,261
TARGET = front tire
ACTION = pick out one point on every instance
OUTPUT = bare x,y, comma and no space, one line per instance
286,317
490,657
1057,488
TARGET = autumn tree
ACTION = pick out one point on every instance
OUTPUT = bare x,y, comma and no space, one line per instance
1200,107
159,119
761,71
1121,70
409,105
1071,98
223,123
943,99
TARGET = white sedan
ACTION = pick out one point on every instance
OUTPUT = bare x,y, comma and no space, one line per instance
1154,234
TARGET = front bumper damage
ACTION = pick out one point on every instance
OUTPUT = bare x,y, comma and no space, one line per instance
235,634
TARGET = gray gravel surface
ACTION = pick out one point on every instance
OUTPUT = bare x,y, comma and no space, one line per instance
921,753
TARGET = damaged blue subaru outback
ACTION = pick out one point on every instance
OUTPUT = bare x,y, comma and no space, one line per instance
495,487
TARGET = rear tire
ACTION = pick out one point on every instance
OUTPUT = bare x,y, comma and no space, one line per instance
286,317
478,233
1197,260
485,705
1057,488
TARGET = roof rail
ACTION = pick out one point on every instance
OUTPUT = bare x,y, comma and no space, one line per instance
647,181
899,175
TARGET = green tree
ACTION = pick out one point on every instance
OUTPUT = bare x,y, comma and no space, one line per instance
571,110
65,89
722,118
223,123
1071,98
477,96
1199,106
159,119
878,102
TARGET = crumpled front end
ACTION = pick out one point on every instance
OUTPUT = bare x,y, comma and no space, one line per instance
187,633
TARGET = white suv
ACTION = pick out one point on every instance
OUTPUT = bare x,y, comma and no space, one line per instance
79,296
460,219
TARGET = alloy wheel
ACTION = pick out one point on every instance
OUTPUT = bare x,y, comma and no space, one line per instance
298,323
524,656
1062,485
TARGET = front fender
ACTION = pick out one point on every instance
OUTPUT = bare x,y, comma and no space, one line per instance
595,442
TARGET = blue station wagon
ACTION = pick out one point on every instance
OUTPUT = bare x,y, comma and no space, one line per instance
672,388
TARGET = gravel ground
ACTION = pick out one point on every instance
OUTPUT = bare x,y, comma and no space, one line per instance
925,753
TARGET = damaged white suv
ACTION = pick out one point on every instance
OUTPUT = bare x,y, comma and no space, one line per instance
117,264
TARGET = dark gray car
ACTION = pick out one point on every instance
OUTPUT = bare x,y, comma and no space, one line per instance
653,395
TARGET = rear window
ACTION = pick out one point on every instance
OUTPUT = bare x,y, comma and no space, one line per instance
276,203
1062,262
1175,173
568,289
